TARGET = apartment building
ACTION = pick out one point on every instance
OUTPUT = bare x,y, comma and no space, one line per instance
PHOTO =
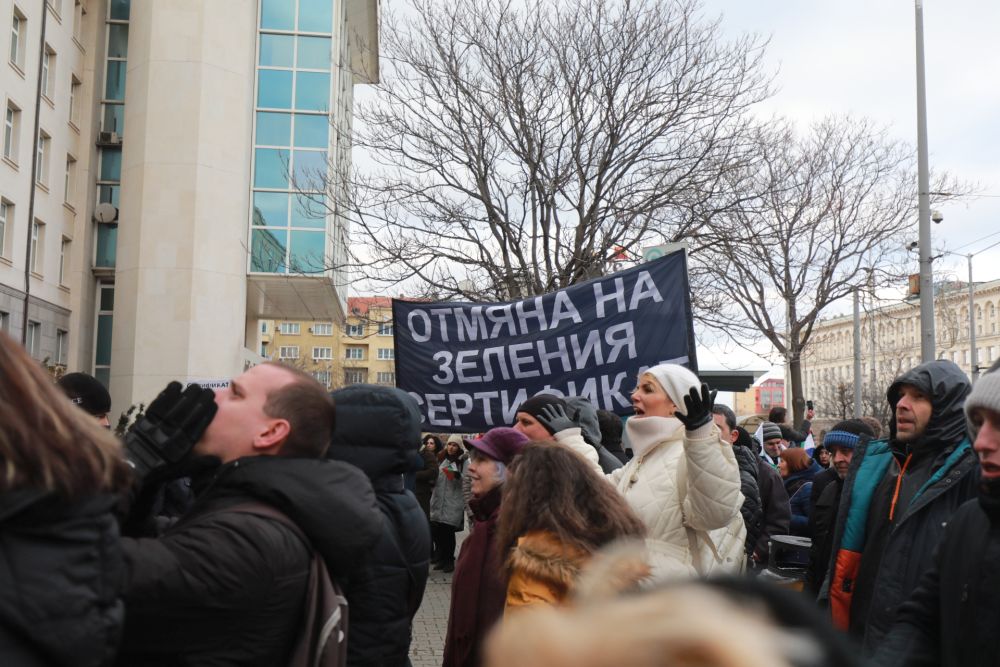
361,350
760,398
168,201
890,341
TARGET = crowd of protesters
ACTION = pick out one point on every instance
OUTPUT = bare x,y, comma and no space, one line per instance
224,526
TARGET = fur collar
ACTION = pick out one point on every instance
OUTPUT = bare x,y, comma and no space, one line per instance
541,555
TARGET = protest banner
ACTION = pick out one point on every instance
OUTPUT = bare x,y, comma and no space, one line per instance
469,365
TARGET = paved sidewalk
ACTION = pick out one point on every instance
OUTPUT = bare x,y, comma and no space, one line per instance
431,622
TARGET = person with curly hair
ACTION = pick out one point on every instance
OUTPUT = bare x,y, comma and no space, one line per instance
556,511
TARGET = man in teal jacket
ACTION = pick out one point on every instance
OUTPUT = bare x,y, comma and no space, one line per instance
899,495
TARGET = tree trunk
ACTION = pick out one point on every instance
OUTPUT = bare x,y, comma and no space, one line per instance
795,377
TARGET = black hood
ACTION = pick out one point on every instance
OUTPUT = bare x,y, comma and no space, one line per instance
377,429
332,502
947,386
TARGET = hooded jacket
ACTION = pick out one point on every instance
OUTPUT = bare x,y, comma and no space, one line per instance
378,429
877,561
60,576
226,587
590,429
543,570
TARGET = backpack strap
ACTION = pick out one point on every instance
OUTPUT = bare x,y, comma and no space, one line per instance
324,615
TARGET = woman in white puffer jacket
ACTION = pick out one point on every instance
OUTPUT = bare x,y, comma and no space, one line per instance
683,480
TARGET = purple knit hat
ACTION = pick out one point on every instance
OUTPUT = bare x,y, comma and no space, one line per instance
500,444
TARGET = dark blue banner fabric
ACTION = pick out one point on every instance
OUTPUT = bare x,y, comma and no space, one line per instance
470,365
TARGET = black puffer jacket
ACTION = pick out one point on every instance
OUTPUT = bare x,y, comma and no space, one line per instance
377,429
60,570
227,588
590,429
751,509
953,617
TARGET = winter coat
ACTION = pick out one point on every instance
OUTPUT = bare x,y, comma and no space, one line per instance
685,486
543,570
953,617
385,591
796,480
590,429
447,503
876,562
60,577
226,587
777,512
424,480
799,505
828,476
573,438
822,518
478,586
751,510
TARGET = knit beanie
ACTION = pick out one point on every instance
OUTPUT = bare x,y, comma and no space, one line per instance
985,394
770,431
847,434
533,406
87,392
677,381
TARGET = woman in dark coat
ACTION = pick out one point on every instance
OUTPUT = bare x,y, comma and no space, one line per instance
430,451
60,556
797,470
479,585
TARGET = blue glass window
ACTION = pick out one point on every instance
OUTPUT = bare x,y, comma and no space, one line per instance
267,251
307,254
310,170
108,194
114,119
312,131
315,15
107,244
270,209
107,298
120,9
309,211
103,356
273,129
271,168
277,50
314,53
277,14
118,40
274,88
114,85
312,91
111,164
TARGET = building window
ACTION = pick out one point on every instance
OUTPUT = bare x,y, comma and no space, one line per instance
105,321
4,322
34,338
263,327
18,34
288,352
290,328
323,377
62,346
354,353
35,259
320,353
6,213
42,163
74,101
78,13
63,260
385,329
385,378
11,132
48,73
355,330
323,329
354,376
70,189
386,353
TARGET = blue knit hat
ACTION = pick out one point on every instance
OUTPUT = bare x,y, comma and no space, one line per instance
847,434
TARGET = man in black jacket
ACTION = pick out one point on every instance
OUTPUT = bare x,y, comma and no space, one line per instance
224,586
953,617
898,497
751,509
378,428
776,512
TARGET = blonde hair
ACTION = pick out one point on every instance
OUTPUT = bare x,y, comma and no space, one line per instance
46,442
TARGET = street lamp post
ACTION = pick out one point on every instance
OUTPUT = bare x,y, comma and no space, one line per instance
927,344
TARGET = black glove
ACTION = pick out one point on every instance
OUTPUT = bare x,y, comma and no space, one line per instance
699,408
172,425
554,418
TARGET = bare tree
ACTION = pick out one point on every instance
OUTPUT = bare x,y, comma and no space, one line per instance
518,148
827,204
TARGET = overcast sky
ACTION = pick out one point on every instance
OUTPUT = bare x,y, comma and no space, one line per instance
858,57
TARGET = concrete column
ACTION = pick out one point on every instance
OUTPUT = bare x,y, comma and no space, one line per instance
180,296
